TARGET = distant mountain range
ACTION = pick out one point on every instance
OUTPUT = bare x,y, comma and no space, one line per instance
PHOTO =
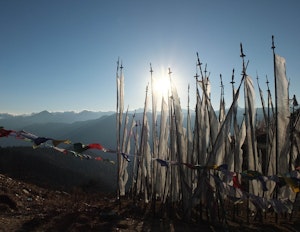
46,117
80,127
85,126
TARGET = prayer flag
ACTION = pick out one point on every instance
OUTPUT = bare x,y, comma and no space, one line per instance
163,163
4,133
125,156
95,146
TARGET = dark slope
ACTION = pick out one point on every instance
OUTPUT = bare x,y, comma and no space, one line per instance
48,168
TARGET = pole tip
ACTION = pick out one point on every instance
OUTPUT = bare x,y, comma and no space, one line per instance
242,52
273,46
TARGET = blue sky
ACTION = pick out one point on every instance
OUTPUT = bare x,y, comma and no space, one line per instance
61,55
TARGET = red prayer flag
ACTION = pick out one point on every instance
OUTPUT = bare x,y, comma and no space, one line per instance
4,133
95,146
236,183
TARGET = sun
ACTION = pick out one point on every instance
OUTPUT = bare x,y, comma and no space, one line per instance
161,86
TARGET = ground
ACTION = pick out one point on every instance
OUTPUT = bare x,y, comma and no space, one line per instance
27,207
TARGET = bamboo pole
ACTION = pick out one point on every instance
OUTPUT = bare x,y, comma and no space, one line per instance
276,124
118,133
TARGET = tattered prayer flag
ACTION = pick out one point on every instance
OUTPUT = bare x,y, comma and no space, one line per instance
214,167
236,183
263,183
163,163
250,174
87,156
60,150
109,150
192,166
79,147
126,156
222,167
25,135
4,133
280,182
255,175
293,182
283,114
95,146
57,142
39,140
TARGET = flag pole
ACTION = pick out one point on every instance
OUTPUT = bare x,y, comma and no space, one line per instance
117,126
235,129
268,128
154,144
234,119
196,144
221,98
276,123
242,55
142,149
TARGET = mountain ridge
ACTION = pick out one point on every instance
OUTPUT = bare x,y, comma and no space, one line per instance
92,127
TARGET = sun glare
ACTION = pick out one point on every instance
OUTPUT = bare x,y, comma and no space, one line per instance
161,86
